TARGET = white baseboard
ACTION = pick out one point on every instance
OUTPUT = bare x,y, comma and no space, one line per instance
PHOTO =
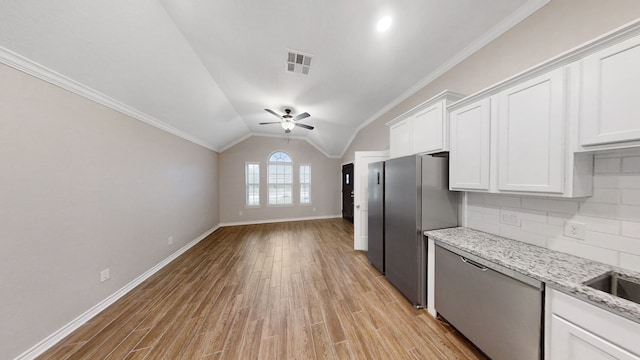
268,221
61,333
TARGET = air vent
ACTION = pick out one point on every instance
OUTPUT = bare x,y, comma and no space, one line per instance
298,63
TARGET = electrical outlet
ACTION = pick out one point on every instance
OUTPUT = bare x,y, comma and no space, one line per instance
314,209
575,230
170,240
510,218
104,275
240,213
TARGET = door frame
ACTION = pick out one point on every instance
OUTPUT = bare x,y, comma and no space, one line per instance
360,168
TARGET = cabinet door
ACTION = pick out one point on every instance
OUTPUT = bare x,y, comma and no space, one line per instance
571,342
531,118
610,110
428,130
400,139
470,146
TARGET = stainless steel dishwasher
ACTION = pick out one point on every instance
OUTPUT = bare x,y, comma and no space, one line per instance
496,308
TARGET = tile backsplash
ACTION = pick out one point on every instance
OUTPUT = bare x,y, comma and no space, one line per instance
611,215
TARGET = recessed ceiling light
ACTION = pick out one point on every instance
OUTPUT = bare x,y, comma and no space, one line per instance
384,24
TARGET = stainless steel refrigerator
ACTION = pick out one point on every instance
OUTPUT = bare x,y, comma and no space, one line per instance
416,198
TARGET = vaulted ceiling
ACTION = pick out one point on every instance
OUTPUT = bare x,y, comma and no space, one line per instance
205,70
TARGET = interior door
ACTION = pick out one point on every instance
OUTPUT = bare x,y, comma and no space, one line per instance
360,184
347,192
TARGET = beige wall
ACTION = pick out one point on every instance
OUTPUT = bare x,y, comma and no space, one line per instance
325,181
552,30
83,188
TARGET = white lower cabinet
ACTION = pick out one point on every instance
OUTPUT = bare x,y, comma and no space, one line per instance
577,330
573,342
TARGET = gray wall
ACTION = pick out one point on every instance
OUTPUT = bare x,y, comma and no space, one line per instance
552,30
83,188
325,181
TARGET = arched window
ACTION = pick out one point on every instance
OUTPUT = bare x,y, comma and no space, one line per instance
280,179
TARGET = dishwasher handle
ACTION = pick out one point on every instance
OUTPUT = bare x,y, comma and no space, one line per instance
473,263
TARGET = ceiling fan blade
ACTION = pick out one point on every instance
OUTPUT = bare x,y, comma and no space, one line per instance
304,126
273,112
270,122
304,115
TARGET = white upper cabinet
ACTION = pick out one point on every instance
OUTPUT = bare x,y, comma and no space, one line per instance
610,109
428,132
531,130
400,139
469,159
519,137
423,129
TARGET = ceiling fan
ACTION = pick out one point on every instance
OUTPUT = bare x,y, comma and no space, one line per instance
288,121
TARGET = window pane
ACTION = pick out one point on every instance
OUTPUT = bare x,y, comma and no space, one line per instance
280,179
279,157
280,194
305,184
252,182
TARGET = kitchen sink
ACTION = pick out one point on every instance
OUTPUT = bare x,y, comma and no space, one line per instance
617,285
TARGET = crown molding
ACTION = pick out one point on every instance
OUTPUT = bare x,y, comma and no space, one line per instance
41,72
520,14
444,95
577,53
235,142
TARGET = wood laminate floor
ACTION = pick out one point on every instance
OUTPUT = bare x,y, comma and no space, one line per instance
293,290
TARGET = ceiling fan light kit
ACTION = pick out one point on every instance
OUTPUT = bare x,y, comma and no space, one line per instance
288,121
287,125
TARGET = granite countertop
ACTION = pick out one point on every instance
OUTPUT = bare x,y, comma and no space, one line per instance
560,271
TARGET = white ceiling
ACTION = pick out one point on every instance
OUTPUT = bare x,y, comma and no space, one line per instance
205,70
